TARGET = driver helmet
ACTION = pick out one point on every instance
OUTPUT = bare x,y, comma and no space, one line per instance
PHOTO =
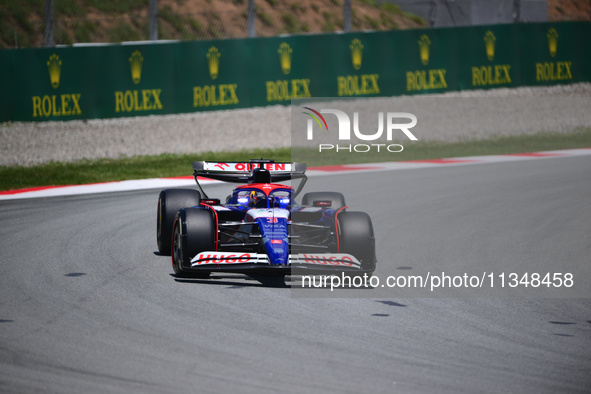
255,198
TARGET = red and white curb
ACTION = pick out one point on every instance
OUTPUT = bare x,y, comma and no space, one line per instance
162,183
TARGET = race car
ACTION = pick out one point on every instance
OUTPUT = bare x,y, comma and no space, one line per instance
260,229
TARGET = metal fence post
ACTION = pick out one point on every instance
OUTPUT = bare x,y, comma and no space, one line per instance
516,11
153,23
347,16
49,41
252,30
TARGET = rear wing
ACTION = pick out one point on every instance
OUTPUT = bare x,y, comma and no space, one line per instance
244,172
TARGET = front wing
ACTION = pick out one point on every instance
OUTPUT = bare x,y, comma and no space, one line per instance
258,262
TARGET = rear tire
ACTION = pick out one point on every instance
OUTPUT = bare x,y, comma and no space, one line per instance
194,231
337,199
169,202
356,237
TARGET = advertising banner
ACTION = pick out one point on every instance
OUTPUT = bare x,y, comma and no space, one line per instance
107,81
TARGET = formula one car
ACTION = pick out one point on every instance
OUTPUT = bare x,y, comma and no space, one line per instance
260,229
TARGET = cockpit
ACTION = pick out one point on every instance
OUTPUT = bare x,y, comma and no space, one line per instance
254,197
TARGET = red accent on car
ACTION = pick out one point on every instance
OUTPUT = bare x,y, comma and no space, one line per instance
336,227
217,228
172,243
221,165
266,188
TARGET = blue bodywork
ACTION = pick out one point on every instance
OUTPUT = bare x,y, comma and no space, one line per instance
269,206
274,233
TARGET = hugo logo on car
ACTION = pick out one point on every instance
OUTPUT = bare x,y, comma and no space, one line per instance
341,259
221,258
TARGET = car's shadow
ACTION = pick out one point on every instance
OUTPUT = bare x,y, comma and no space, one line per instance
236,281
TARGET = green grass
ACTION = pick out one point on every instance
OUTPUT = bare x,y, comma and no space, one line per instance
178,22
69,8
118,7
122,31
421,150
195,26
372,22
330,22
169,165
290,23
388,21
84,30
105,170
264,17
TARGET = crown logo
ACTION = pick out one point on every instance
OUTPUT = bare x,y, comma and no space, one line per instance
489,44
356,48
284,52
213,59
424,44
54,65
552,41
135,63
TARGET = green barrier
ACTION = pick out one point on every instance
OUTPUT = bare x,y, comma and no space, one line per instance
108,81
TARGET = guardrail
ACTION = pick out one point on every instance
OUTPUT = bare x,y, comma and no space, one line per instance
108,81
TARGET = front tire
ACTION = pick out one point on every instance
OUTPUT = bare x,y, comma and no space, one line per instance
194,231
356,237
169,202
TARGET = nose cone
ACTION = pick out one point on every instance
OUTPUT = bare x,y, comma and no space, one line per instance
278,251
274,233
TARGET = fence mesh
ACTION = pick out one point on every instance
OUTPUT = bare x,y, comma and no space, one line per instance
440,13
23,23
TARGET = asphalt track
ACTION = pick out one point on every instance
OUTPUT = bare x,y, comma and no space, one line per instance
87,305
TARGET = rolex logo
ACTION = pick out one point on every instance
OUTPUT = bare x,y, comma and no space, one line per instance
356,53
135,63
284,52
424,44
54,65
489,43
552,41
213,59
